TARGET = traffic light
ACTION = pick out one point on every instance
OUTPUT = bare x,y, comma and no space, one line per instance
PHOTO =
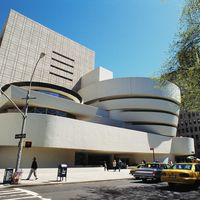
28,144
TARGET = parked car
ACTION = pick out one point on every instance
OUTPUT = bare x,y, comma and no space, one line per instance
150,171
182,173
134,168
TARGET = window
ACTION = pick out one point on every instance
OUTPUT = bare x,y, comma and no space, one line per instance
186,123
53,66
182,166
63,56
69,79
62,62
197,167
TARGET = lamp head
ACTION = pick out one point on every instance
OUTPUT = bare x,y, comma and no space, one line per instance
42,55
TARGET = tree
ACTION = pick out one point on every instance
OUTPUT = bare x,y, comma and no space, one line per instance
183,65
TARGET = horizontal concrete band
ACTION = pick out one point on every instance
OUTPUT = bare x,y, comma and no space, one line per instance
55,132
142,117
136,103
132,87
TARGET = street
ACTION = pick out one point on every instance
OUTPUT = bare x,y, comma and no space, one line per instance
112,190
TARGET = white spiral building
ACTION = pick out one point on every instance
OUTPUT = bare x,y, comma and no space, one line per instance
80,115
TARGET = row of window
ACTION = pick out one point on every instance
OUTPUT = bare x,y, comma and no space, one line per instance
48,111
188,114
193,136
187,122
66,64
188,130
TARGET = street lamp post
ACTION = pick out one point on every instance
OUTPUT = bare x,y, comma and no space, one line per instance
152,149
24,115
20,145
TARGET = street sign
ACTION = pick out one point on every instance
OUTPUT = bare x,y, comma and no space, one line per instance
151,149
18,136
28,144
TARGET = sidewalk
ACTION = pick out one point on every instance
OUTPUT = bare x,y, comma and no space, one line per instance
49,176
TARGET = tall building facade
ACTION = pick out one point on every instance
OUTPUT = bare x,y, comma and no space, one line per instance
21,42
189,126
80,115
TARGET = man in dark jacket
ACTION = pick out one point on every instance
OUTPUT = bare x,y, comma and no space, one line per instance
34,167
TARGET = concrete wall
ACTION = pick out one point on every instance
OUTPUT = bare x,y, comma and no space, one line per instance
46,157
59,132
23,41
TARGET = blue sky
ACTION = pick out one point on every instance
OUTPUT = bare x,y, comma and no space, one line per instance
130,37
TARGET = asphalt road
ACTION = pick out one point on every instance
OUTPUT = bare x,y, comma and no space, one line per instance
115,190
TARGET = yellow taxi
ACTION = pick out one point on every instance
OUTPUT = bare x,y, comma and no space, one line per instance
182,173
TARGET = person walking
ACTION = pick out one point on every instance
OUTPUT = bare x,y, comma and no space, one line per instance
114,165
34,167
105,166
119,165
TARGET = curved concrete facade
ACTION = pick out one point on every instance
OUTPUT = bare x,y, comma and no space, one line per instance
53,132
119,128
140,102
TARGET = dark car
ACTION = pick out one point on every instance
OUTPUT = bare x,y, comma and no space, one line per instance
150,171
133,169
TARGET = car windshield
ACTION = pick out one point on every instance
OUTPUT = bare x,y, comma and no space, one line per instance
182,166
152,165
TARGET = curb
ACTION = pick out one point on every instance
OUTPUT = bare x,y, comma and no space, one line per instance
57,183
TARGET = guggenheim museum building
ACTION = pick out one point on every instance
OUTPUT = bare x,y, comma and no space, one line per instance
78,113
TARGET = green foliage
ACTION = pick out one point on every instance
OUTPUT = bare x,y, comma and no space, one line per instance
183,66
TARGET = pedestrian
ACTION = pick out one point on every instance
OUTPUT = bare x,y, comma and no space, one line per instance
114,165
170,162
144,162
119,164
34,167
105,166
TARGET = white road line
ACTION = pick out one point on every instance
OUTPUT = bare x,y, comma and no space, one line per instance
8,193
19,194
34,194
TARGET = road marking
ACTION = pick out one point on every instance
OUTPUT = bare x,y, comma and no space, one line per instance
19,194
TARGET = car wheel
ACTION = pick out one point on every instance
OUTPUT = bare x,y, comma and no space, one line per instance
144,180
197,184
158,180
171,185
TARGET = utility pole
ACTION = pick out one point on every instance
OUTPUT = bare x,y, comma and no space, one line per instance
24,116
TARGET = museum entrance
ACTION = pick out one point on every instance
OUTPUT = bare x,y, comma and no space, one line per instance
91,159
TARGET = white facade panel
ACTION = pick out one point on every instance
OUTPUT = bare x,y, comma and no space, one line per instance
59,132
